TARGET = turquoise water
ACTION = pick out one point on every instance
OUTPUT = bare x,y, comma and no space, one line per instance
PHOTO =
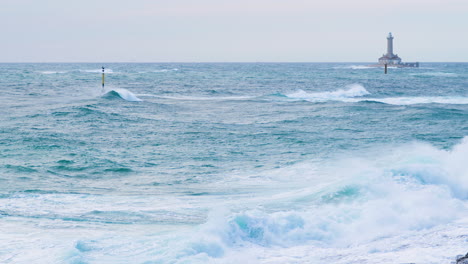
231,162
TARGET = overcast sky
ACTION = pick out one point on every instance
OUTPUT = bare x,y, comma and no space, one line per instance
231,30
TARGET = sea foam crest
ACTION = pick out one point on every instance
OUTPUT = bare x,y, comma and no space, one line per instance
380,198
435,74
53,72
421,100
124,94
354,90
166,70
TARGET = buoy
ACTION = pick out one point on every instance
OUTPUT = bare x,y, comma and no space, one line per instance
103,79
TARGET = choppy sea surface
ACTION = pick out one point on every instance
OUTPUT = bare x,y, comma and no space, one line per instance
233,163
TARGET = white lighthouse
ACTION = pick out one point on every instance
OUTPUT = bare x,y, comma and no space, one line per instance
390,58
390,44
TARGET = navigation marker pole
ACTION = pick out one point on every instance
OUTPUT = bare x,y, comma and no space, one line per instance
385,73
102,79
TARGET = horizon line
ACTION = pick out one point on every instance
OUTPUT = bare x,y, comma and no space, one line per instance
194,62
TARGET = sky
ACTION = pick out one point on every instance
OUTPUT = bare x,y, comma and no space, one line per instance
232,30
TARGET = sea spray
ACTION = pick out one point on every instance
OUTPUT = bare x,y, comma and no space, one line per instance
374,174
374,200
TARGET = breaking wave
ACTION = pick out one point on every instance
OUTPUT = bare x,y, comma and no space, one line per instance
355,93
355,90
122,93
376,207
369,202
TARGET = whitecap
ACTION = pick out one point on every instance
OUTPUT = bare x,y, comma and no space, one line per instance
435,74
354,90
389,201
420,100
124,94
53,72
166,70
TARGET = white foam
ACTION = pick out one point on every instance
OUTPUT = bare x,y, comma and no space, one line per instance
436,74
420,100
403,202
354,93
354,90
166,70
53,72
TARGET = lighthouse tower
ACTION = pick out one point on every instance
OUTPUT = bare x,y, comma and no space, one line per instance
390,58
390,44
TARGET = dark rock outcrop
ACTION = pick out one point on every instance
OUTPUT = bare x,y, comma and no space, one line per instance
462,259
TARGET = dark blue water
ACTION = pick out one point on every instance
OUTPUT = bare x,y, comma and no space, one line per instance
229,162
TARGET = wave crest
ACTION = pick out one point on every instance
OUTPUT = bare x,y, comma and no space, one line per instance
409,188
53,72
124,94
435,74
354,90
421,100
166,70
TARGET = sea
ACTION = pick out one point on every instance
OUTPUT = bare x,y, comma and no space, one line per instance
233,163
